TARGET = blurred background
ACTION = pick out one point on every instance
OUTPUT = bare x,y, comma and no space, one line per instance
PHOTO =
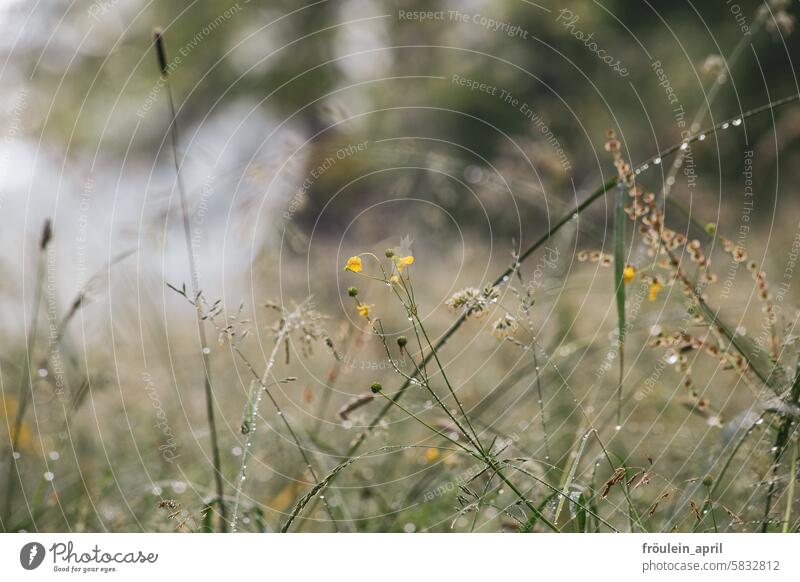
454,131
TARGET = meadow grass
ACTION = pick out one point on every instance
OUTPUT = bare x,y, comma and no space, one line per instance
579,471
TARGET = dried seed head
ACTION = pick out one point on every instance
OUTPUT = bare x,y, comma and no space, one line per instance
161,51
47,234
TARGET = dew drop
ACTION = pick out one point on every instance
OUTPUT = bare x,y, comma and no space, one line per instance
736,122
657,161
48,476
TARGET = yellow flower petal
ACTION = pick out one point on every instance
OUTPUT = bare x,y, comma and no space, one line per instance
394,279
628,274
431,455
363,309
403,262
354,264
654,290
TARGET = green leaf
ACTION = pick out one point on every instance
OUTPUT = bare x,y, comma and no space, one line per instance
581,513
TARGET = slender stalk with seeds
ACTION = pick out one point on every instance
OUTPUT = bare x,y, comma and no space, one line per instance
164,68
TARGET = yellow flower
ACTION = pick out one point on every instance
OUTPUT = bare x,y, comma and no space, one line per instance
431,455
394,279
654,289
363,309
354,265
403,262
628,274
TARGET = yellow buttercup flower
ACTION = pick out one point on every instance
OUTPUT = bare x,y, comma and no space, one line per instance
628,274
654,289
404,262
354,264
363,309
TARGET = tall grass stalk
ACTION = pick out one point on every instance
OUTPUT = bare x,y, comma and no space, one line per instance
251,417
161,53
787,515
25,389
